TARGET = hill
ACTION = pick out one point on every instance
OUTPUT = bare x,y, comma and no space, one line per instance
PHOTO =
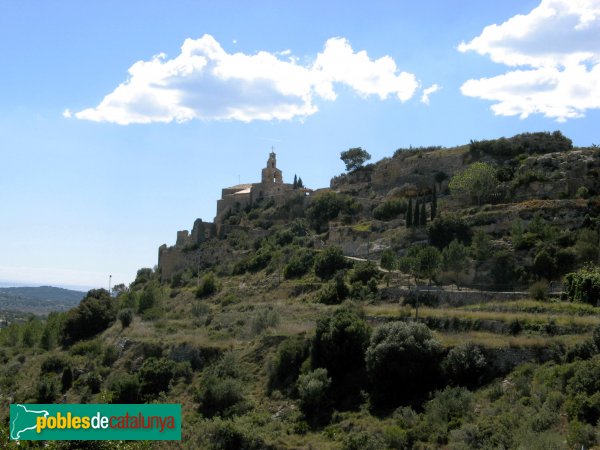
38,300
439,298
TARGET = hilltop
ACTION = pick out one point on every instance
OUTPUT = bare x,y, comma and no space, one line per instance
38,300
434,299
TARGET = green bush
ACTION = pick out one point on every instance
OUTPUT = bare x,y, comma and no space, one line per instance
334,292
299,264
225,435
94,314
465,365
208,286
313,392
390,209
328,206
263,319
125,388
339,345
55,363
285,367
222,397
584,285
539,290
155,376
330,261
47,389
364,271
125,316
444,229
403,363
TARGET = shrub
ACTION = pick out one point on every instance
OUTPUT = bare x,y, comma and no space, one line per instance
125,388
55,363
465,365
364,271
155,376
390,209
221,397
584,285
444,229
94,314
334,292
150,298
326,207
339,346
300,263
313,390
125,316
539,290
329,261
263,319
285,367
402,362
225,435
207,286
46,389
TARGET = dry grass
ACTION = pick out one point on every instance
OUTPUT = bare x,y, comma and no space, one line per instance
493,340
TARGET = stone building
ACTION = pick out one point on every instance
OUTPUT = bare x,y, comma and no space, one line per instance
271,185
188,251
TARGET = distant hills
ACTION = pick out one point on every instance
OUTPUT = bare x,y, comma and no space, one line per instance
38,300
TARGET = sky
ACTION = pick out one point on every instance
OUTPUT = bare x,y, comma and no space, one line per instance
120,122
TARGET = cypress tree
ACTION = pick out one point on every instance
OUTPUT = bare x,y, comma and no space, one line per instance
300,183
417,214
409,214
434,203
423,220
295,184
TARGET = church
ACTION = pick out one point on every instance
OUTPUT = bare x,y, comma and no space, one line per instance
271,185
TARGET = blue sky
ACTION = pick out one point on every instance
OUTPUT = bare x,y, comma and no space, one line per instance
113,137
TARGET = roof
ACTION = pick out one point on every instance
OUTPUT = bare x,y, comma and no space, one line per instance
240,186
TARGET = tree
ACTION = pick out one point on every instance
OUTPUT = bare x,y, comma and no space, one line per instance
313,389
444,229
409,214
295,183
423,219
354,158
476,181
329,261
94,314
403,363
388,259
480,246
417,214
300,183
434,203
455,260
428,262
339,346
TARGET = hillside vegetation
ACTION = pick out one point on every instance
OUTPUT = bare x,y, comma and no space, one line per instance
439,298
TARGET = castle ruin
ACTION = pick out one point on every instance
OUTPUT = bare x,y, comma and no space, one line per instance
233,199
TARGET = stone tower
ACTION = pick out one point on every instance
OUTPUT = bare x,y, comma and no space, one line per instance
271,174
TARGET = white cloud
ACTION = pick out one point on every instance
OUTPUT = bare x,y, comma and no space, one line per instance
339,63
205,82
557,47
67,114
427,92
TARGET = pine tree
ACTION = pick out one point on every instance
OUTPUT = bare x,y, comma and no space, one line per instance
409,214
417,214
295,183
434,203
423,220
